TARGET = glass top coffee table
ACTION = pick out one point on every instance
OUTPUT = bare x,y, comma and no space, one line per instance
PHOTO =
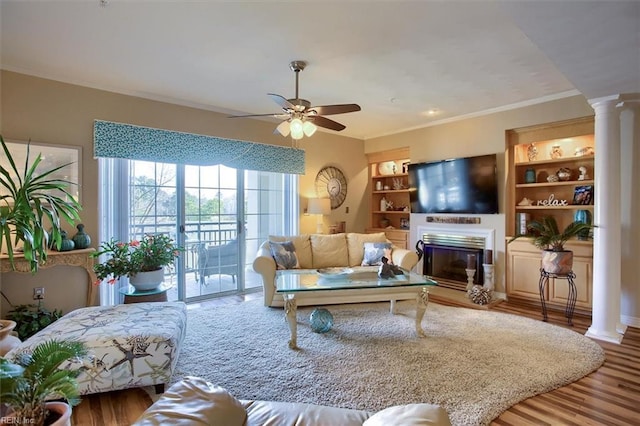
293,283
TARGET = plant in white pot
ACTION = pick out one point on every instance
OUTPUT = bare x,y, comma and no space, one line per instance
143,261
548,238
31,200
32,380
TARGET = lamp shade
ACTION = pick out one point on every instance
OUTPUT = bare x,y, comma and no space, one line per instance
296,128
309,128
319,206
283,128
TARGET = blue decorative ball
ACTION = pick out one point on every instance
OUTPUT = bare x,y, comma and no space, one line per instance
321,320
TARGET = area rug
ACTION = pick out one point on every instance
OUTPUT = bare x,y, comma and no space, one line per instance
474,363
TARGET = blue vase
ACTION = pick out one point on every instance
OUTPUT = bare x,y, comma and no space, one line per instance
530,176
583,216
82,240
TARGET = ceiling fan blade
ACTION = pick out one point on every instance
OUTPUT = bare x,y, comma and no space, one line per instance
280,100
273,114
335,109
326,123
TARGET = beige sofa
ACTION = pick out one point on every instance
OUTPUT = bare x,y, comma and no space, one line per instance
194,401
316,251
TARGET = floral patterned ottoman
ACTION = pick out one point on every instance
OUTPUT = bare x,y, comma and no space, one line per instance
129,345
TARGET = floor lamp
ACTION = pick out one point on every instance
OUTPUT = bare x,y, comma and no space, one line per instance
320,207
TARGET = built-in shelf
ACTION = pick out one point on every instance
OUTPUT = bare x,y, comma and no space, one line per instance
554,161
571,207
561,183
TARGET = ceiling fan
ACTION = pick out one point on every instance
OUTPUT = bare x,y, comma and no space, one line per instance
300,118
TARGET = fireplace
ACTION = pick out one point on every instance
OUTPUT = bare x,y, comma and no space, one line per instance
447,253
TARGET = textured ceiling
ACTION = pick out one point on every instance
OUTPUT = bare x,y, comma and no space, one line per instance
397,59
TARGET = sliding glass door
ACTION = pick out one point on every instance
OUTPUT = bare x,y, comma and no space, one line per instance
219,215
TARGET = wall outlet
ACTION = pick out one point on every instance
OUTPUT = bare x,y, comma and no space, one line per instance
38,293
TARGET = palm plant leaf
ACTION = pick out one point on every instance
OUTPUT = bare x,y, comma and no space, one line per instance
32,199
27,384
547,235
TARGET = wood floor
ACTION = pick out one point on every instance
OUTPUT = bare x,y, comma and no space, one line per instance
608,396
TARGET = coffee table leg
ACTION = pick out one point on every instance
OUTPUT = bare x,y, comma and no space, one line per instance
422,300
290,310
392,309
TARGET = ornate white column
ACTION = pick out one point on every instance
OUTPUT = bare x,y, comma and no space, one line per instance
607,234
630,206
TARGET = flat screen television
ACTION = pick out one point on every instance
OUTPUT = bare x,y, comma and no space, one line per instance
459,185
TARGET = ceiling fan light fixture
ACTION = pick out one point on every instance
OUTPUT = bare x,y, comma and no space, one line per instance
309,128
284,128
296,127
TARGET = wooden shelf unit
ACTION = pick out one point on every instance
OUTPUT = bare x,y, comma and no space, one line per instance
523,258
381,172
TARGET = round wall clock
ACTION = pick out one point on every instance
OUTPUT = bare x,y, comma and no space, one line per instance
330,182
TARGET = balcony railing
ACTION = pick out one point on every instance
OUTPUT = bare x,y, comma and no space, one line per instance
197,234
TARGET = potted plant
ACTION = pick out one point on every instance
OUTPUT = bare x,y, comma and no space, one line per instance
32,379
27,202
548,238
32,318
142,261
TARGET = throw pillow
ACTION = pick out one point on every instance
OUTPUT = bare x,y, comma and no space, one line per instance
284,253
373,253
410,415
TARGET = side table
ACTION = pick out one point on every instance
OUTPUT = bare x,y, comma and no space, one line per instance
571,299
131,295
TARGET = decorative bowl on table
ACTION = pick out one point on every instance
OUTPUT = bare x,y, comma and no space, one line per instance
334,272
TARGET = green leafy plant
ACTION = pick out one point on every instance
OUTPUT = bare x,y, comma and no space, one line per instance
32,318
33,378
125,259
547,235
28,199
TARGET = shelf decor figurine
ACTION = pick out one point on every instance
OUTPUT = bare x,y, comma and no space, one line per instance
532,152
556,152
583,173
564,174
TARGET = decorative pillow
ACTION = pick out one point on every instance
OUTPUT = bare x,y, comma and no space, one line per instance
410,415
355,244
303,247
373,253
284,254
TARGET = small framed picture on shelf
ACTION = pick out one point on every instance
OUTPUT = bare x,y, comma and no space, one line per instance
404,223
583,195
405,167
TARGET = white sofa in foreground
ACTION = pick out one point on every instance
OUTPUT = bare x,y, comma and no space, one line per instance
315,251
194,401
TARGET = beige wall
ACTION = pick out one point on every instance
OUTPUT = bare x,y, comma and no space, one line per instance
52,112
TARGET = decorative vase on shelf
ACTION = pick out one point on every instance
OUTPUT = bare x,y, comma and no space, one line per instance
82,240
530,176
379,186
532,152
583,216
383,204
66,244
145,281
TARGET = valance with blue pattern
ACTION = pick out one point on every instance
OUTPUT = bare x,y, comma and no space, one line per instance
118,140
